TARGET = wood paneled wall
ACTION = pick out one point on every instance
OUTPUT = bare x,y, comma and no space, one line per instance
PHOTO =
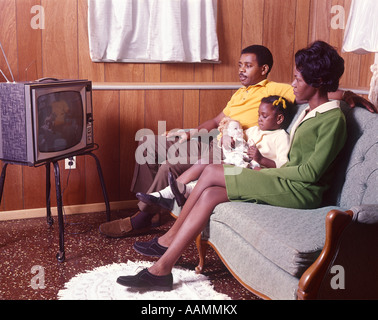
61,50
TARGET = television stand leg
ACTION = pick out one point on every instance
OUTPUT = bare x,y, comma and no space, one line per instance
61,254
50,220
104,192
2,179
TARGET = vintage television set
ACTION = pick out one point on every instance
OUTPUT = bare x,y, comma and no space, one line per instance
45,120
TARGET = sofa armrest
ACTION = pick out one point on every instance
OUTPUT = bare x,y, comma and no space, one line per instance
346,267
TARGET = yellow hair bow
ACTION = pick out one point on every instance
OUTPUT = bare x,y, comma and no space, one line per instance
280,100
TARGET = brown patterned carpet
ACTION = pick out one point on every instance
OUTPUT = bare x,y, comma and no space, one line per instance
25,244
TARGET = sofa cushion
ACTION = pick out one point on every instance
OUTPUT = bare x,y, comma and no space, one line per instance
290,238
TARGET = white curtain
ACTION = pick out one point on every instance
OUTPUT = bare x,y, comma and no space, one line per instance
361,36
153,30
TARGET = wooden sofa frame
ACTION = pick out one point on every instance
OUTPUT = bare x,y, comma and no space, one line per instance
309,286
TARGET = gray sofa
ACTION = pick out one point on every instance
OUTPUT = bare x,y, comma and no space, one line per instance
325,253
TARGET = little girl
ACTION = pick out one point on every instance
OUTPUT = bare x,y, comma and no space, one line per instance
267,146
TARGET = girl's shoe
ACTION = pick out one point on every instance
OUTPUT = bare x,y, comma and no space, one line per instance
179,196
155,201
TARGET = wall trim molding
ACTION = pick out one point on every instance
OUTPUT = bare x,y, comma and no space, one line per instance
68,210
185,86
166,86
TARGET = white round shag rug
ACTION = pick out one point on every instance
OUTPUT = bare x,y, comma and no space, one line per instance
100,284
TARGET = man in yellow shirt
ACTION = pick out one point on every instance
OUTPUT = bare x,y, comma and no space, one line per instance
254,66
244,104
255,63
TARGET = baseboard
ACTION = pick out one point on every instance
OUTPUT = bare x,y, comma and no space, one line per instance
75,209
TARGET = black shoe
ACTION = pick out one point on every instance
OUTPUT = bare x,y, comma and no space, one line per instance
152,201
179,196
145,279
151,248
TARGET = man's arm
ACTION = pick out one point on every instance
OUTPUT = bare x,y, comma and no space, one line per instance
212,123
207,125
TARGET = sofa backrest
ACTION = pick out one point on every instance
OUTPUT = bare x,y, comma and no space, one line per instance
356,178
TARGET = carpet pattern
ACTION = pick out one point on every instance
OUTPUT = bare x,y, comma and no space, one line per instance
100,284
28,248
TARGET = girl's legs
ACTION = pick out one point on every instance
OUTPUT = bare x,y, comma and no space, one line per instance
193,173
185,182
143,219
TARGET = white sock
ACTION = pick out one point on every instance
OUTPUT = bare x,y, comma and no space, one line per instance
165,193
168,194
189,188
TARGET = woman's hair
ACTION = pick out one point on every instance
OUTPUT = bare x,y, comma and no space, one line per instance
320,65
263,55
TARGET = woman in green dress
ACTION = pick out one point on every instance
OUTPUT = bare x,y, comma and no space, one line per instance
317,137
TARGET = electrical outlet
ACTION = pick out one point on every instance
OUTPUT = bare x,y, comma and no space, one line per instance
70,163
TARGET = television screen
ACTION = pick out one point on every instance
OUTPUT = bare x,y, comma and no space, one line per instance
60,120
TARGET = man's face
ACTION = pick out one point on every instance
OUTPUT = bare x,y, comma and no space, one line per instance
250,72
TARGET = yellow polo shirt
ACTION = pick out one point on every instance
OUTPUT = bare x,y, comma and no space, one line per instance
244,104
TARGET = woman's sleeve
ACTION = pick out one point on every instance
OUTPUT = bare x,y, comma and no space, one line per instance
330,140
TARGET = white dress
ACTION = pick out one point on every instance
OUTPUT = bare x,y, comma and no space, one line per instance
273,145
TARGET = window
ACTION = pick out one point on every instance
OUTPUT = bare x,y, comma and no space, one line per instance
153,30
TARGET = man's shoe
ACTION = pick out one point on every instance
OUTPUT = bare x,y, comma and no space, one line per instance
151,248
145,279
179,196
153,201
120,228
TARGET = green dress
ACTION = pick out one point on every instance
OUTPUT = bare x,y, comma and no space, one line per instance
301,182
